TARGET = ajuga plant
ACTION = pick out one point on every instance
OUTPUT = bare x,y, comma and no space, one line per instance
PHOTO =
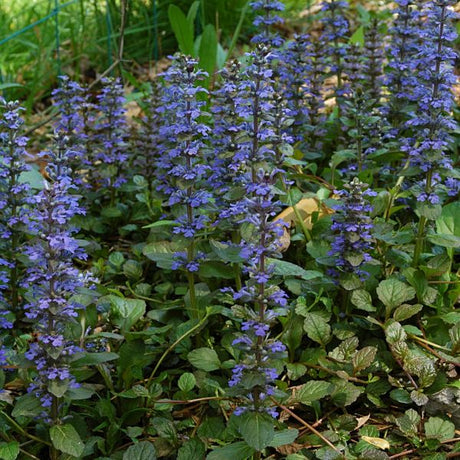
294,68
360,114
15,195
267,17
51,282
400,76
373,61
146,141
181,167
110,155
260,299
335,34
314,98
352,227
70,98
430,121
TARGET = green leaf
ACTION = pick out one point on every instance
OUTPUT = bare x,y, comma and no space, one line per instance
187,381
226,252
204,358
393,293
192,450
208,50
182,29
400,395
91,359
27,406
143,450
317,328
9,450
235,451
358,37
66,439
216,269
193,10
428,210
4,86
445,240
80,393
395,333
312,391
408,423
440,429
161,252
284,437
257,429
283,268
33,177
126,312
362,300
449,221
162,223
454,334
345,393
363,358
405,311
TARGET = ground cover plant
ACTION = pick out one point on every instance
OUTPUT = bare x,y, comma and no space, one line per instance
263,263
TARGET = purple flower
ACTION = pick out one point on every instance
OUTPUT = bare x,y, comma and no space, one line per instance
51,278
352,229
181,168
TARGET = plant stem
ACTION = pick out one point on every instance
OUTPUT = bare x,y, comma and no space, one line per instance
172,346
420,239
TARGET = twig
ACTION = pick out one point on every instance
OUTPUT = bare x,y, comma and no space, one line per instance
305,424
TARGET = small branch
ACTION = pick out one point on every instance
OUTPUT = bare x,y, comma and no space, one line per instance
306,425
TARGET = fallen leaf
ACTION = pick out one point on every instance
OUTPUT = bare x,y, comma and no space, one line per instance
376,442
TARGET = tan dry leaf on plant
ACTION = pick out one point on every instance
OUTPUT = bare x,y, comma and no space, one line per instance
376,442
305,208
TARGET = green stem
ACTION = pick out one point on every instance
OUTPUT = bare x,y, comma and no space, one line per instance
395,190
22,431
172,346
420,239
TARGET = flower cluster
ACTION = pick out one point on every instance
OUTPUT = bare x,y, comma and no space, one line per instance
294,70
110,135
261,118
373,62
314,97
52,280
70,99
181,166
352,226
14,217
266,18
402,62
434,100
335,32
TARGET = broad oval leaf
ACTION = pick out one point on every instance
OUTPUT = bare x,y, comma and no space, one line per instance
257,429
393,293
364,358
236,451
317,328
143,450
9,450
204,358
66,439
440,429
312,391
